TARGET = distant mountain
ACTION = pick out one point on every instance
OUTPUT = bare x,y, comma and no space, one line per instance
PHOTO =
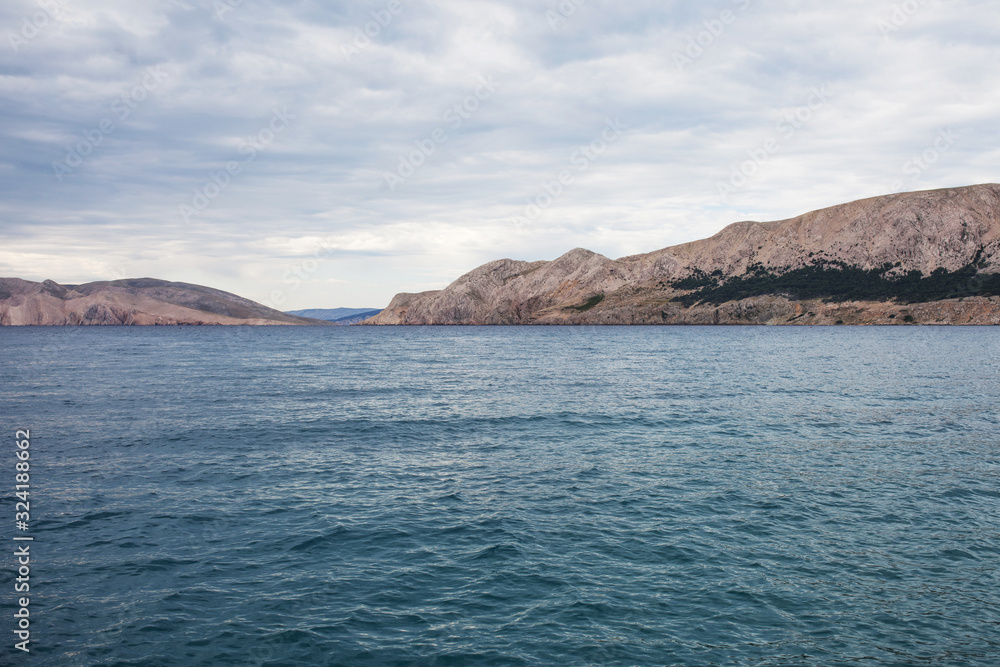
354,319
134,301
334,314
931,257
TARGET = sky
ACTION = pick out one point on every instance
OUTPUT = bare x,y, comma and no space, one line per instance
311,154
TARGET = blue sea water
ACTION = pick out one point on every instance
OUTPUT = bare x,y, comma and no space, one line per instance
506,496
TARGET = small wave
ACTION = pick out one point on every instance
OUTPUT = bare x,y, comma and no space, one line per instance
90,518
504,551
320,540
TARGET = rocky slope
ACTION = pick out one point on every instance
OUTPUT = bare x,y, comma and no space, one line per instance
873,247
138,301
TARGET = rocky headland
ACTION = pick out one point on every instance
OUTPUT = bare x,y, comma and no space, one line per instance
930,257
136,301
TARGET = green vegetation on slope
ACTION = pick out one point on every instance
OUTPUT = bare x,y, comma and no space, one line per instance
837,281
590,303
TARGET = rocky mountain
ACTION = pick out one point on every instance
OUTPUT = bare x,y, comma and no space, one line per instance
135,301
930,257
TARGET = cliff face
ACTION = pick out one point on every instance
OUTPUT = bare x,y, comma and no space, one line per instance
139,301
955,232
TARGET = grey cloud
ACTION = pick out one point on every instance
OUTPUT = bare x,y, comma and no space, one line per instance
358,112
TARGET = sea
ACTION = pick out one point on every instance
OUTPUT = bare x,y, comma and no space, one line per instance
452,496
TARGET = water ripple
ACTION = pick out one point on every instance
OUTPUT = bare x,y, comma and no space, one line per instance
479,496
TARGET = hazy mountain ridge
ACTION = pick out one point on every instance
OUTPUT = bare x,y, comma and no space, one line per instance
139,301
360,317
953,231
338,315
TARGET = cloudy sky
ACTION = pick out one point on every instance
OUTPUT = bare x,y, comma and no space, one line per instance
323,154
